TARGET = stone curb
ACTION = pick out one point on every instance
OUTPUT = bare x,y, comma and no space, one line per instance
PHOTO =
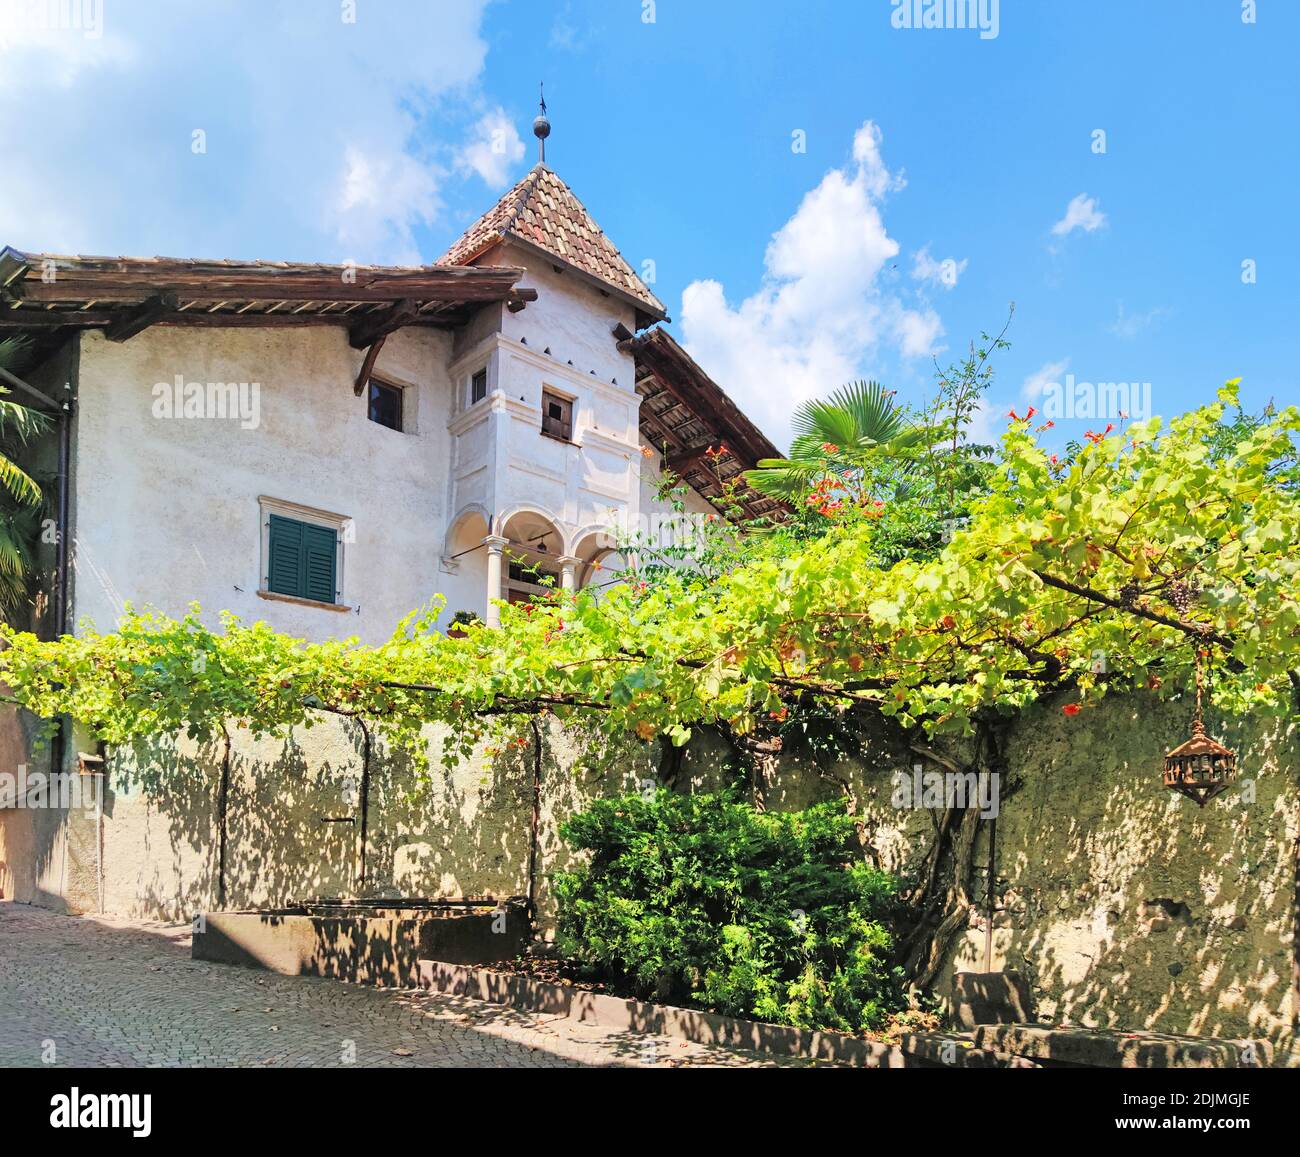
1117,1049
919,1050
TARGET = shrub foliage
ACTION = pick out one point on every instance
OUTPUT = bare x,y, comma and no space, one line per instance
702,900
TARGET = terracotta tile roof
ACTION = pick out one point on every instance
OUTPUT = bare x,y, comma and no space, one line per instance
542,211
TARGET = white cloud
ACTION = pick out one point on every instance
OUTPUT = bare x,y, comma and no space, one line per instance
381,198
495,150
1129,325
820,308
1081,213
317,130
871,167
916,331
567,33
1041,378
943,273
981,430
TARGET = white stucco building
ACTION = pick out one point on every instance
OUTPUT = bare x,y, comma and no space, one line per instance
327,447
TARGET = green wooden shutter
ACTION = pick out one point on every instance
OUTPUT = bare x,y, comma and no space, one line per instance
285,557
319,558
303,560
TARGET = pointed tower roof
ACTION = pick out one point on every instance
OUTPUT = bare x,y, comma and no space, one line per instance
542,213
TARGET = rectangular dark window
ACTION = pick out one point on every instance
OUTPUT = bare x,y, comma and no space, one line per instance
386,404
557,416
478,387
302,560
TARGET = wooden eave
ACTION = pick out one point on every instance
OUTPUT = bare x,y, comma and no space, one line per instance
42,292
684,414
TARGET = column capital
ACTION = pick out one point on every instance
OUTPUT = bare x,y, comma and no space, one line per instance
496,543
568,571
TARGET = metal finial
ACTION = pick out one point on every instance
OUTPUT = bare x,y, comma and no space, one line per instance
542,127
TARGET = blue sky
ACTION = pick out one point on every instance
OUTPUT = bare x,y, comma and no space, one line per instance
785,270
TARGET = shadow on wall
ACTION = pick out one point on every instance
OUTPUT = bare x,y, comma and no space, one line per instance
1122,903
1125,903
454,832
32,841
293,818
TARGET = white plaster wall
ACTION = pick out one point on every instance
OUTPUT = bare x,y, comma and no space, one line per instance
563,341
571,316
652,479
167,510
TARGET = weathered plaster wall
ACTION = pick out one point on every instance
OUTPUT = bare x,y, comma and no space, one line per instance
33,842
562,342
167,509
1124,904
293,818
1120,895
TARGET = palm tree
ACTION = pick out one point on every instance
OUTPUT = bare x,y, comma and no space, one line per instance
840,436
20,495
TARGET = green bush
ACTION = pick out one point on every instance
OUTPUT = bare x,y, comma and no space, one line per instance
701,900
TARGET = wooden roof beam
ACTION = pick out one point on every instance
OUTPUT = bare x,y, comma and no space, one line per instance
518,299
11,318
70,288
657,433
136,320
368,366
376,325
686,458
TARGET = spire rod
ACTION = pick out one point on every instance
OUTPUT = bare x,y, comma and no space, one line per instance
542,127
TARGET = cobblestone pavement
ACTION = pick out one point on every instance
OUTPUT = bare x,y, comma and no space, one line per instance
82,991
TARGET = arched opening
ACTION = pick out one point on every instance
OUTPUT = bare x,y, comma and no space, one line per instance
464,577
535,561
600,563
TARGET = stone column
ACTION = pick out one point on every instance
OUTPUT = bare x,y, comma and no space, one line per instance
495,546
568,572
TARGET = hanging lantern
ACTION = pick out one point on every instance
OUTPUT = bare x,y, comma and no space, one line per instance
1200,768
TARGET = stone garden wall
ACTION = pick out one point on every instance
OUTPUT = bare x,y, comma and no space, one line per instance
1124,904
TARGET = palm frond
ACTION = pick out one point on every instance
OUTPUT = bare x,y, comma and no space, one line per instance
20,422
856,414
14,558
778,482
15,598
12,350
17,483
